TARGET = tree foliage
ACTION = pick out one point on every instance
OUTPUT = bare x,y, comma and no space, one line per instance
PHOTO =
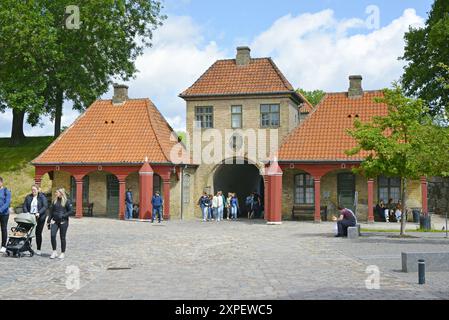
314,97
426,50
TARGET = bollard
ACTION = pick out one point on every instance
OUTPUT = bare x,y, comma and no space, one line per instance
422,271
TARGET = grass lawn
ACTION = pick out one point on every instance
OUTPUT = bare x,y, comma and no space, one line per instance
16,169
397,231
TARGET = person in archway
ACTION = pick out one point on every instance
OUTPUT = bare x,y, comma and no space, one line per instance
129,204
157,203
36,203
347,219
58,220
256,205
249,205
217,205
210,211
234,206
228,206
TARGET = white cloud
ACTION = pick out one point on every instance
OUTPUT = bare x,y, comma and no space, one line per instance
316,52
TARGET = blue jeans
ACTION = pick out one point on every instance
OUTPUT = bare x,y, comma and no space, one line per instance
210,213
234,212
129,211
205,212
156,210
219,213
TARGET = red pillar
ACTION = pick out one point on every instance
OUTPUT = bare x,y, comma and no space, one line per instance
166,191
425,208
274,174
122,194
317,216
370,200
79,197
146,191
37,181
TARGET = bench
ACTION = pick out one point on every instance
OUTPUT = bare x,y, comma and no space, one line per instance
435,261
304,212
88,209
354,232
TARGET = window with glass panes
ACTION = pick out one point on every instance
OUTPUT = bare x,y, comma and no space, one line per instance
389,188
85,189
236,117
304,189
204,117
269,115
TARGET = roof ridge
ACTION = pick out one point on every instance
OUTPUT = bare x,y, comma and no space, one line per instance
149,105
364,91
197,80
286,83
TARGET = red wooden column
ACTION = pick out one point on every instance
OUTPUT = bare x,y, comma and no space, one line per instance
274,173
370,200
317,216
146,190
79,197
37,180
425,208
122,194
166,191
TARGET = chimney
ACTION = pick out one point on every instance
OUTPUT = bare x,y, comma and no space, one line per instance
243,56
355,87
120,94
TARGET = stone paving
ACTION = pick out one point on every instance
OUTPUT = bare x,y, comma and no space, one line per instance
227,260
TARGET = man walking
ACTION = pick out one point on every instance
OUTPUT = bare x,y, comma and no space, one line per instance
5,202
129,204
157,203
218,205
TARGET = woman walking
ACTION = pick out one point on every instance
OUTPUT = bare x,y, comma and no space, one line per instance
234,206
36,203
5,202
58,220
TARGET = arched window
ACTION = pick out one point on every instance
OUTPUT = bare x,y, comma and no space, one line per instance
304,189
186,189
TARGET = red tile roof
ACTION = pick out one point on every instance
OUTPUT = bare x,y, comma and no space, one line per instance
226,78
113,134
323,135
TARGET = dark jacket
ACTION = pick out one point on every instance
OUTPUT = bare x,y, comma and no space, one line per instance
42,205
5,201
157,201
59,213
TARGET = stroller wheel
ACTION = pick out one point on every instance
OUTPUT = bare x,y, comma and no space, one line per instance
8,253
31,253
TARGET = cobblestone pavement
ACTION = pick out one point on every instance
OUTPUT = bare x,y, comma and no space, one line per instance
227,260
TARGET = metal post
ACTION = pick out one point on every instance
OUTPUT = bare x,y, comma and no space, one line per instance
447,234
422,271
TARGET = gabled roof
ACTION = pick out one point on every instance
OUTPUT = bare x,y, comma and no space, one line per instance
226,78
113,134
323,135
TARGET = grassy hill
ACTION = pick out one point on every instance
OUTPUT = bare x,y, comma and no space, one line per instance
16,169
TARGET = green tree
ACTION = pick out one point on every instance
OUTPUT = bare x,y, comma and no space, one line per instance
405,143
23,57
314,97
86,56
426,49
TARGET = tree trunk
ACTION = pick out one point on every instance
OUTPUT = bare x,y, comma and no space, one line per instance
58,112
17,134
404,206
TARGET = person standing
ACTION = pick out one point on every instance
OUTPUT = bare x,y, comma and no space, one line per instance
249,202
234,206
58,220
36,203
347,219
129,204
210,211
217,204
380,210
203,203
5,202
157,203
228,205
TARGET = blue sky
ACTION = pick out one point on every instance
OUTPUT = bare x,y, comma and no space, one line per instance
316,44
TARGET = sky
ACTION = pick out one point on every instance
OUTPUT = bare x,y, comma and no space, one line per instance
317,44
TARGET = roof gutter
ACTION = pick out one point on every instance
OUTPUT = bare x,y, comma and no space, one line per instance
105,164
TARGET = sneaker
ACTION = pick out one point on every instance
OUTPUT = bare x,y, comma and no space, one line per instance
3,250
53,255
61,256
38,252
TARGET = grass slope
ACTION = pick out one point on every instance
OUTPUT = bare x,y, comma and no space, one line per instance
16,169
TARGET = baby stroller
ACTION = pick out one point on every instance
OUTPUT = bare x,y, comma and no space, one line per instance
21,235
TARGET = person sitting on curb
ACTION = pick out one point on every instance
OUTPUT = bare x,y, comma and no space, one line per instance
347,219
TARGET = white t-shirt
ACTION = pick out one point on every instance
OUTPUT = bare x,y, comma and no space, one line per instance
33,208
